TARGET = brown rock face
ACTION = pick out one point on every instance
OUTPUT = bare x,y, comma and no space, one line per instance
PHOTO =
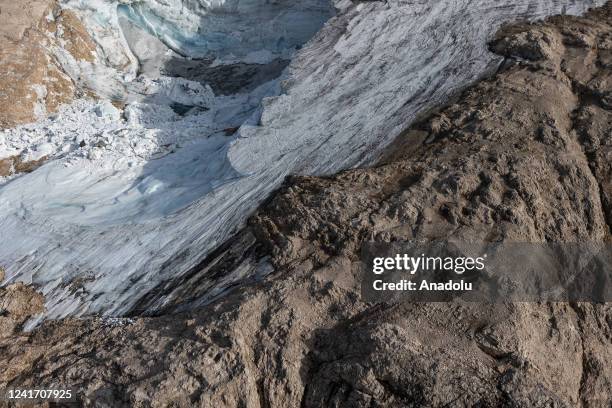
523,156
18,303
14,165
32,81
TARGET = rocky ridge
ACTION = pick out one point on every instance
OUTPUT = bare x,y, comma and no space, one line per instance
523,156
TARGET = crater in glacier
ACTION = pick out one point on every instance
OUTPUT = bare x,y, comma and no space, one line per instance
236,49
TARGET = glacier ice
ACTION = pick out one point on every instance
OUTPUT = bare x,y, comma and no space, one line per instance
149,195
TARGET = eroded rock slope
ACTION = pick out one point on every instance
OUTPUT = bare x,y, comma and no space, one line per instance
523,156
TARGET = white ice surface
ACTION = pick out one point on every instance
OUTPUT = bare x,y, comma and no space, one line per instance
97,228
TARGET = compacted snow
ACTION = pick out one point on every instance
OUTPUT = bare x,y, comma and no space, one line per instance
129,198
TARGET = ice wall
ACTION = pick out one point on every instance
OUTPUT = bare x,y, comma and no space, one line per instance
235,30
232,31
100,234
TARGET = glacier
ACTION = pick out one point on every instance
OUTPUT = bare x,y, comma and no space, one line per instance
130,199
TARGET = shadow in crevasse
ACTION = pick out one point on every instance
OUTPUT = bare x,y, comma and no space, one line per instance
225,79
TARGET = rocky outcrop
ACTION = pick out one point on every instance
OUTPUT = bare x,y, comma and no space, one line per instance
15,164
18,302
522,156
33,82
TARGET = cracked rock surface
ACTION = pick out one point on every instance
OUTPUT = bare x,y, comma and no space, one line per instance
523,156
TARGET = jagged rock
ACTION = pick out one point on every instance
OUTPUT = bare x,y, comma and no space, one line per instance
33,82
522,156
